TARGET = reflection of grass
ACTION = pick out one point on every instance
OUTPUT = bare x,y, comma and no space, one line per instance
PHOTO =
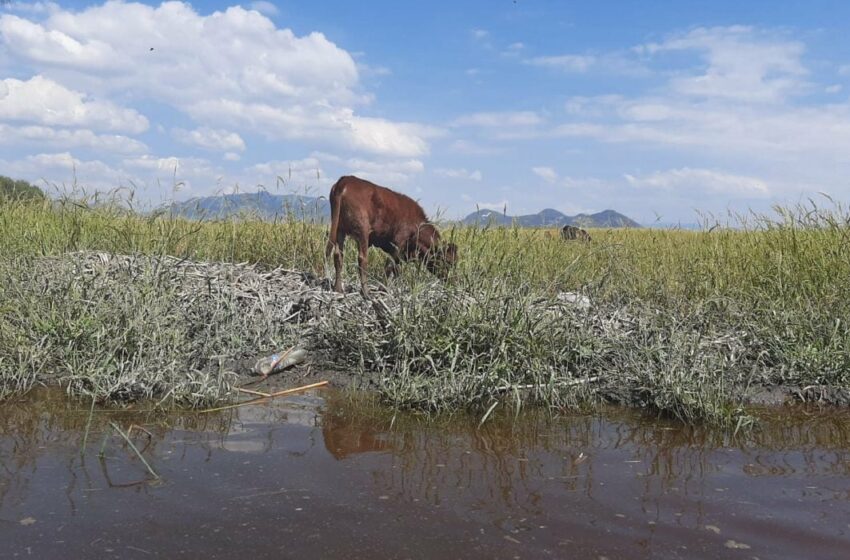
681,321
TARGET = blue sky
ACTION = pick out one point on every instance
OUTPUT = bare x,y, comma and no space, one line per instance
654,109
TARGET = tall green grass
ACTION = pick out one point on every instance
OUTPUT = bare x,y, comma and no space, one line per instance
794,258
763,300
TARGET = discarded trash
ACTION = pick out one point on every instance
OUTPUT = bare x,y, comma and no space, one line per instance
279,361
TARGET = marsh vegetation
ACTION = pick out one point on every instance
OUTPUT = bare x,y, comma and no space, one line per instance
688,323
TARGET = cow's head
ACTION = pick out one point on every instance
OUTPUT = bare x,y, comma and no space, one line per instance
442,260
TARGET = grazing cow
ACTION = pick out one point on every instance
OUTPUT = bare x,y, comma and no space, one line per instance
376,216
572,233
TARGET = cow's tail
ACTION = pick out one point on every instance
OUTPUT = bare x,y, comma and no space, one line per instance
336,194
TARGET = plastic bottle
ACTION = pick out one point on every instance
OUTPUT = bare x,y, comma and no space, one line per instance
279,361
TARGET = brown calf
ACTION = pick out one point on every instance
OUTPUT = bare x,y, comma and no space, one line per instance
395,223
570,233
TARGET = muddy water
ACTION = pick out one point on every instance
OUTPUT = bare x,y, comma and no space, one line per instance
321,476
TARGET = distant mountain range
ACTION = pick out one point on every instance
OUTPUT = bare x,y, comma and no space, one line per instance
261,204
552,218
267,206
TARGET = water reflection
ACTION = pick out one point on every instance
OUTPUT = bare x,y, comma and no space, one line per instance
616,481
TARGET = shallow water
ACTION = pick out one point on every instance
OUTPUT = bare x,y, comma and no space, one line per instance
322,476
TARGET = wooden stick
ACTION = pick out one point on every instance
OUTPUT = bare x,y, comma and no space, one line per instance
270,396
298,389
250,392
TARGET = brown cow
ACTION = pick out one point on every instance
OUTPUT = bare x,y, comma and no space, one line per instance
379,217
570,233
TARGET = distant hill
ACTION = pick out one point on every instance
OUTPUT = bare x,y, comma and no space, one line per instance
552,218
262,205
267,206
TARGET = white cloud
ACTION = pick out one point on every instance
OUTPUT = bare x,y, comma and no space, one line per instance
188,174
387,172
63,170
743,64
295,173
153,163
265,8
461,173
391,172
504,119
232,68
546,173
834,88
730,129
341,125
743,106
173,167
32,41
480,34
42,137
844,70
211,139
687,181
566,62
231,156
43,101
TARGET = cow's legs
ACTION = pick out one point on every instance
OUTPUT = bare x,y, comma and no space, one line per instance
338,247
363,263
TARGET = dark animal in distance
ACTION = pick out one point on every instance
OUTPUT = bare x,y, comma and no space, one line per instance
379,217
572,233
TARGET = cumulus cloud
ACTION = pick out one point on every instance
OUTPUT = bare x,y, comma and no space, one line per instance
385,171
44,101
231,68
211,139
153,163
546,173
43,136
461,173
743,104
688,180
742,64
265,8
63,170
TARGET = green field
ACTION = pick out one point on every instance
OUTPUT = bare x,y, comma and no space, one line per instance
701,317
